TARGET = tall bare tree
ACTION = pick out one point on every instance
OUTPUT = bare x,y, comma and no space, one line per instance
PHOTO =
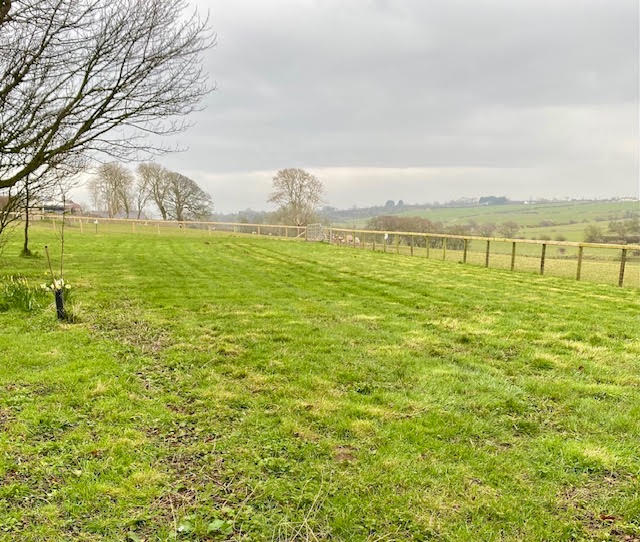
156,180
113,184
79,77
298,193
186,199
141,194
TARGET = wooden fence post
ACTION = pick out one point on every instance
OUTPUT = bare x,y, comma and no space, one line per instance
374,243
444,248
486,256
542,255
464,254
428,246
623,260
579,270
363,245
513,256
81,227
384,242
397,244
412,245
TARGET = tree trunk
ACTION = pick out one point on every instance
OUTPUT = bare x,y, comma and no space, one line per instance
25,248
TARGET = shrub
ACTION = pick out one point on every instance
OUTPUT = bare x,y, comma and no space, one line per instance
560,237
593,234
509,229
487,229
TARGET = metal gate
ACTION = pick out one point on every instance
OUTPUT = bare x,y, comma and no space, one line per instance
316,232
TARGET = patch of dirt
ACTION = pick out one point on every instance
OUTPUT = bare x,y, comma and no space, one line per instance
612,524
344,454
5,418
120,324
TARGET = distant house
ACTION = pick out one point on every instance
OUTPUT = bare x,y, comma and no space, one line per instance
74,208
71,207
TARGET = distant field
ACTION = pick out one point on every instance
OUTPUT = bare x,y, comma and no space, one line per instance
220,387
529,216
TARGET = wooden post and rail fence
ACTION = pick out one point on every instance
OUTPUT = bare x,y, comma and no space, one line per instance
366,238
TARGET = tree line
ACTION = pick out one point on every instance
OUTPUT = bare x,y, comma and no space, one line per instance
508,229
117,191
619,231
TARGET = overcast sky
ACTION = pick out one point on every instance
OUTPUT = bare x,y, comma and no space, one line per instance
419,100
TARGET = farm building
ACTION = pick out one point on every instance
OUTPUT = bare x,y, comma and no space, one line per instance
70,207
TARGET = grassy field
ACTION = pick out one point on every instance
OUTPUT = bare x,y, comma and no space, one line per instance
243,388
599,265
570,219
531,215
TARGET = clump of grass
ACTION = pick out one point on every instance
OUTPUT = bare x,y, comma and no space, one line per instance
26,253
17,293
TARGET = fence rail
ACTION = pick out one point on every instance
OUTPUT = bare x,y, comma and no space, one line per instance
613,263
412,242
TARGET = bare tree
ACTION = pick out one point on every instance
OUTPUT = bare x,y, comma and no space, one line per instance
95,194
156,180
186,199
80,77
141,195
114,185
298,193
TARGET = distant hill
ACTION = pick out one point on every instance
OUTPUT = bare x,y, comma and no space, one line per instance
537,220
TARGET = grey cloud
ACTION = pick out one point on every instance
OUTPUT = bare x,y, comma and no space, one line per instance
550,86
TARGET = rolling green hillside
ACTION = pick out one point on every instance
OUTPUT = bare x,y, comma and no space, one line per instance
566,219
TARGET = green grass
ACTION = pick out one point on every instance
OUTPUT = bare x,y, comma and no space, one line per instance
220,387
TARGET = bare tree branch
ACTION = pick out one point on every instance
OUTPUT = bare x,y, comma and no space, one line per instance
94,77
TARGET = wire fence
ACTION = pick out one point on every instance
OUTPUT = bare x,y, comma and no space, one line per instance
596,262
